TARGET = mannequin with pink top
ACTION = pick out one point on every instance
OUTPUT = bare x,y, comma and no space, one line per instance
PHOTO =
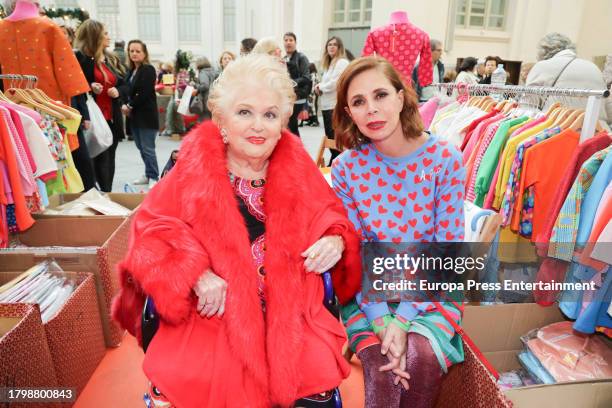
401,43
24,9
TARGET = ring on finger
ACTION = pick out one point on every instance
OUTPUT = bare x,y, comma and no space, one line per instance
313,255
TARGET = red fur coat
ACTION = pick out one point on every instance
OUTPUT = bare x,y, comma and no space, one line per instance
190,221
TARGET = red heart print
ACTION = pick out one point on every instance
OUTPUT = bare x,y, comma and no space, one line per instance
369,228
354,176
391,224
450,209
426,191
352,191
397,187
446,197
446,173
377,223
459,195
391,198
343,185
444,224
427,162
350,165
382,209
396,240
412,195
377,197
429,206
457,222
417,208
342,173
426,219
449,236
354,153
417,179
366,176
390,171
417,235
404,228
403,201
362,162
378,158
413,222
454,182
363,188
446,154
367,202
381,236
412,167
402,174
456,166
376,170
352,206
398,213
432,149
429,231
365,151
382,183
364,214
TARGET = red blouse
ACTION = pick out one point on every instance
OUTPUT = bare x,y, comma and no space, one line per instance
104,101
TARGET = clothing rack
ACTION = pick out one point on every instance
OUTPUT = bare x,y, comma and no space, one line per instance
15,77
594,101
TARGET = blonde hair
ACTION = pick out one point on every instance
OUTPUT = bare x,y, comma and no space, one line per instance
224,53
326,60
266,45
90,39
253,69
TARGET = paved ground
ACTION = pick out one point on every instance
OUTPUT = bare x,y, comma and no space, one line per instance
129,165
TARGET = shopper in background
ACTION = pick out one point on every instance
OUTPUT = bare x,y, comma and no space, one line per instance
105,79
246,46
426,93
466,74
119,51
225,58
313,98
141,107
206,76
559,67
197,245
164,69
333,63
404,347
174,120
491,63
297,64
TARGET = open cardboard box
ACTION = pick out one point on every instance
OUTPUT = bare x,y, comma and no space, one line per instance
128,200
107,239
74,334
496,330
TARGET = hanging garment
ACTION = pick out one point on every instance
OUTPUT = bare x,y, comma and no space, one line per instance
401,45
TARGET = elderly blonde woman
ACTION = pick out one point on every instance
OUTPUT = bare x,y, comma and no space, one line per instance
268,45
230,245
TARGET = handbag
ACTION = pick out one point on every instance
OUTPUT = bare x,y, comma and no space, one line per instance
99,136
196,106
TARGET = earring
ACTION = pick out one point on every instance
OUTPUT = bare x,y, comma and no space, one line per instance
224,136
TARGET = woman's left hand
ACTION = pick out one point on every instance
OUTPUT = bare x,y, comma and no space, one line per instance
324,254
113,92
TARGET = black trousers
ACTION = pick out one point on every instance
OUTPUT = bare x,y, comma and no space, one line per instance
83,163
104,163
293,120
329,131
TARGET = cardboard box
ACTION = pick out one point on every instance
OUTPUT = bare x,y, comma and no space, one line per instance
128,200
107,239
25,359
496,330
74,335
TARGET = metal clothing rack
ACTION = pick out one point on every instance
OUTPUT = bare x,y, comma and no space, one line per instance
593,107
15,77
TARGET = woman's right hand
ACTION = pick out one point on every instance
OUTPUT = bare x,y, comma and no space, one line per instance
96,88
126,110
210,290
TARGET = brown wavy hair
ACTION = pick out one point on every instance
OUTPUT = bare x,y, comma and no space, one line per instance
348,135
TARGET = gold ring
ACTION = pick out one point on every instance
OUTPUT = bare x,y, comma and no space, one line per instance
313,255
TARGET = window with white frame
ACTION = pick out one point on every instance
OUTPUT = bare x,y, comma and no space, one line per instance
66,3
149,24
189,17
229,20
108,12
352,13
481,14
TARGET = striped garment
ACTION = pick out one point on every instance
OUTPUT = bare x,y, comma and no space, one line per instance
563,238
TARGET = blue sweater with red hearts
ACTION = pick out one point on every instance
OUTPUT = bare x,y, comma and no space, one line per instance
415,198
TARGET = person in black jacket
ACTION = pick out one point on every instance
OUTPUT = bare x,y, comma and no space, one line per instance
105,79
141,107
299,70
